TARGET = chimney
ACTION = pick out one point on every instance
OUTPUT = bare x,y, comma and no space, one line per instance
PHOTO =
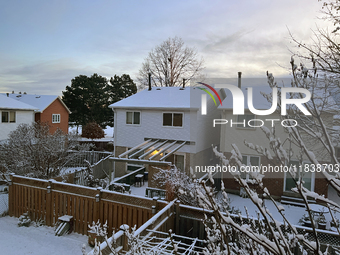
7,94
183,85
149,81
239,79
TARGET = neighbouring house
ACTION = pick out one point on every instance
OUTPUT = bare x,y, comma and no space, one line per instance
164,125
51,110
14,113
279,183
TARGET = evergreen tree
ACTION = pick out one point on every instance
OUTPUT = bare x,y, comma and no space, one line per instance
88,99
121,87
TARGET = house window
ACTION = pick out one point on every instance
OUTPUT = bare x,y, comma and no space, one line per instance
179,161
306,176
249,161
55,118
172,119
337,153
133,118
242,120
8,117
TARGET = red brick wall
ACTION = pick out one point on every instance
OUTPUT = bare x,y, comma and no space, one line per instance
273,181
55,108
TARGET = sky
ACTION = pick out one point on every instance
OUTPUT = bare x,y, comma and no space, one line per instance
45,44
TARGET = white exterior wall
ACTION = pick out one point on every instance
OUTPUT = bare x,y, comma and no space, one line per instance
196,128
202,129
22,117
151,126
235,135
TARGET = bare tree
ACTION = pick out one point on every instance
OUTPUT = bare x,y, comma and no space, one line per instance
170,63
32,150
324,50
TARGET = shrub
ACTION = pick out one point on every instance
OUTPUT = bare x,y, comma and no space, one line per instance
92,130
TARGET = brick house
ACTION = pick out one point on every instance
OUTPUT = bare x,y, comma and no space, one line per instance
51,110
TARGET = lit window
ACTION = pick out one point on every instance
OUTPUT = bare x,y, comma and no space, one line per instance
8,117
55,118
242,120
173,119
133,118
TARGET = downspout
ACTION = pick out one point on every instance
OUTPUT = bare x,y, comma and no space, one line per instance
114,141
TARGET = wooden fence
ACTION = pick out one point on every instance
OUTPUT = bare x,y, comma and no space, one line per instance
48,200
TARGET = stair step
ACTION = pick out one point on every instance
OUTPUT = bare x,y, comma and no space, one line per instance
295,201
286,202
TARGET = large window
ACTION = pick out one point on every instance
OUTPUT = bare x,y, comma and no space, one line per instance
172,119
8,117
55,118
242,120
307,176
249,161
133,118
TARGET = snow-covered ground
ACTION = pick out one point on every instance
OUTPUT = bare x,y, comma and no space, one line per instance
293,213
108,131
37,240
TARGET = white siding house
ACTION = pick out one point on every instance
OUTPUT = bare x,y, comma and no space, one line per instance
14,113
167,114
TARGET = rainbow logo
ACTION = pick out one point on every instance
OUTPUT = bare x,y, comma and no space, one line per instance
209,93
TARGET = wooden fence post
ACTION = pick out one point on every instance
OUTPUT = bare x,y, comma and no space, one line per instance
97,203
11,196
155,205
125,239
177,216
49,204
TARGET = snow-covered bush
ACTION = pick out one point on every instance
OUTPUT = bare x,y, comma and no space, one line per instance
178,184
24,220
31,150
91,181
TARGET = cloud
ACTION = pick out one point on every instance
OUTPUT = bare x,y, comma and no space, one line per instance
218,43
42,77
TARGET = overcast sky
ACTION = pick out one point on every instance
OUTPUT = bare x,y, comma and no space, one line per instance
44,44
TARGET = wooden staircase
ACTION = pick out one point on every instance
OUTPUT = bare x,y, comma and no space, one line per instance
295,201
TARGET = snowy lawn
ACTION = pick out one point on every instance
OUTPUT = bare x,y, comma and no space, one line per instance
37,240
293,213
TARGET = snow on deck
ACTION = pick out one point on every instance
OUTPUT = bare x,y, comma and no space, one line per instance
139,191
37,240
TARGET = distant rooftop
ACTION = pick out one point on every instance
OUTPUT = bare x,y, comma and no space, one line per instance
12,104
41,102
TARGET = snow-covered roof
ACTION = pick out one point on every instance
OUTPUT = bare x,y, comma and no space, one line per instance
162,98
9,103
39,101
